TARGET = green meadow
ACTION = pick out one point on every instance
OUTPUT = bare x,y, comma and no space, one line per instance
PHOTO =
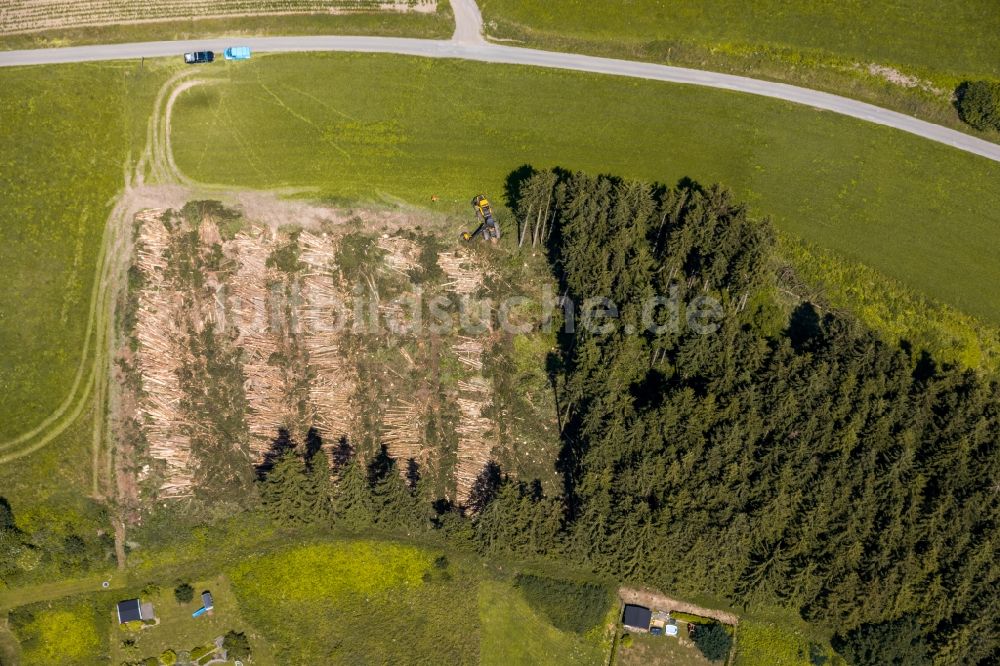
513,632
69,631
951,39
363,601
908,56
390,128
67,136
63,147
330,601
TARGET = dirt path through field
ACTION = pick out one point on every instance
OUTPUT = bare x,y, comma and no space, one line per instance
659,601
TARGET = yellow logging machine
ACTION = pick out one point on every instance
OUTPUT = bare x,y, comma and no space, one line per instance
488,227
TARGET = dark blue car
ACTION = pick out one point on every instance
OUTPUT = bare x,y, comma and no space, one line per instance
198,57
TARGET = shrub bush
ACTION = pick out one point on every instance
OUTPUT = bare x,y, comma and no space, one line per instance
713,640
978,104
200,651
236,645
183,593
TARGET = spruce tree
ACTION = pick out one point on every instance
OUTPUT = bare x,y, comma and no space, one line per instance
321,488
287,493
352,501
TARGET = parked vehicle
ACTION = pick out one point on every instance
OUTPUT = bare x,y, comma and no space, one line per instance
198,57
237,53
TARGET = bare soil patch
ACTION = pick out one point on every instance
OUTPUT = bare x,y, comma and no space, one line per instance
658,601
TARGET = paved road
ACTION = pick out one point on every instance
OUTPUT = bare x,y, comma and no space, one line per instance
468,44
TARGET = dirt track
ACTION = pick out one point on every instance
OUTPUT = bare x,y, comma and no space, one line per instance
656,600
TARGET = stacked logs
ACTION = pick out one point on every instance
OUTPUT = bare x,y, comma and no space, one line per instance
323,317
401,253
475,433
252,312
464,275
159,357
403,434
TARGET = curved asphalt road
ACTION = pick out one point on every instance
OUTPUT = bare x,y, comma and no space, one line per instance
468,44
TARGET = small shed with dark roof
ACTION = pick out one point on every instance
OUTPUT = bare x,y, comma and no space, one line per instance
129,611
636,617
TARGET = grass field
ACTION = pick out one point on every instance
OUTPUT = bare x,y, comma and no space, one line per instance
49,491
65,632
648,650
825,45
774,637
961,38
435,25
365,601
64,146
64,143
360,602
769,644
335,600
921,213
890,307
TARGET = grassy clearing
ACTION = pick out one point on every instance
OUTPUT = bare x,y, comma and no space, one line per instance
515,633
48,490
921,213
330,601
647,650
64,145
569,606
64,149
780,638
822,45
22,596
322,571
772,644
360,602
438,25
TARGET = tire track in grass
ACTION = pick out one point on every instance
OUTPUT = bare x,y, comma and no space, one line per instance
253,159
78,379
295,114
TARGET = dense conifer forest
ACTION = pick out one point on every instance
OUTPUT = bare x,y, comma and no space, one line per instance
799,461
